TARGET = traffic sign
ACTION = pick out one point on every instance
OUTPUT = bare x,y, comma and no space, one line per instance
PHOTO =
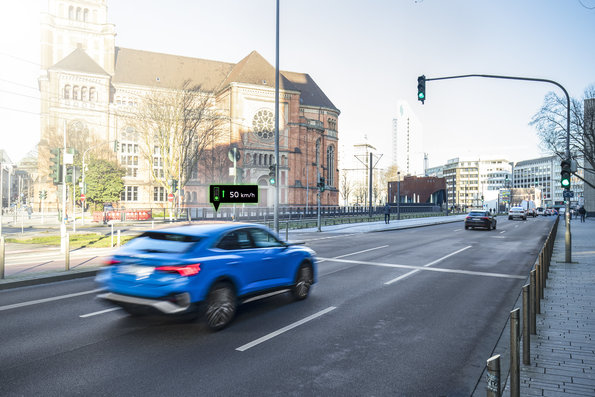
83,197
568,193
170,197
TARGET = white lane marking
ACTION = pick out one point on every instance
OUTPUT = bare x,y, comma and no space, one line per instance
284,329
326,238
99,312
355,253
55,298
457,230
429,264
503,231
431,269
447,256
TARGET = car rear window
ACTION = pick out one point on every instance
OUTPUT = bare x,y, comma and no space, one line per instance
476,213
163,242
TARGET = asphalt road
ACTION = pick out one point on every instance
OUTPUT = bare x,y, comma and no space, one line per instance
412,312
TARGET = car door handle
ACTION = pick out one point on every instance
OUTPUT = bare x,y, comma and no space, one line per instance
233,262
268,258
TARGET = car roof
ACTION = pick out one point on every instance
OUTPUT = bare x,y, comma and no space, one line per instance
207,228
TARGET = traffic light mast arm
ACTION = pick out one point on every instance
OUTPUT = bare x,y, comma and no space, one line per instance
492,76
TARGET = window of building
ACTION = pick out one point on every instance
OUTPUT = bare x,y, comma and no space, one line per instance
84,94
263,124
129,151
86,15
79,14
159,194
318,152
92,94
75,93
67,91
330,164
71,12
158,163
130,193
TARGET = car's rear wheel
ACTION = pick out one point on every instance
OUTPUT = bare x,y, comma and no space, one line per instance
221,306
494,225
303,282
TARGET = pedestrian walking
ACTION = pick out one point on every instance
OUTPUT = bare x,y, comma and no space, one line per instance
387,213
582,212
29,211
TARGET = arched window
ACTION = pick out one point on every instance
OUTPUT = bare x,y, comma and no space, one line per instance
271,159
79,15
67,91
84,94
75,93
92,94
330,165
86,15
71,12
260,159
194,200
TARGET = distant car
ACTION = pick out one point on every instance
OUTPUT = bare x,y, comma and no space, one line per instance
205,269
517,212
531,212
540,211
483,219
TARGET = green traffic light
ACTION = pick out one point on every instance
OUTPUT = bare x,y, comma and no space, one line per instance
565,182
421,95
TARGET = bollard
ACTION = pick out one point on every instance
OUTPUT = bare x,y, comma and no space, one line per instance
67,252
543,274
534,301
152,224
538,289
515,363
287,231
493,377
526,327
112,241
2,253
118,245
541,278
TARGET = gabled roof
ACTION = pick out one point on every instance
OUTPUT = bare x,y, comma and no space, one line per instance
79,61
312,95
254,69
168,71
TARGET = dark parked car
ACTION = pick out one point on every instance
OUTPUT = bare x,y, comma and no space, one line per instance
205,269
481,218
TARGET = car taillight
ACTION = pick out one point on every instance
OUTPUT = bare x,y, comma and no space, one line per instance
186,271
110,262
485,217
468,217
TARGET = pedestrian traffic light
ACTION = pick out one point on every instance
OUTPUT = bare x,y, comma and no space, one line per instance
174,185
421,88
56,165
565,174
273,174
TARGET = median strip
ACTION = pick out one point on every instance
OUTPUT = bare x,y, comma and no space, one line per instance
284,329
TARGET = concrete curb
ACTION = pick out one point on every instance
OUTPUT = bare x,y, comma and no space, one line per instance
46,278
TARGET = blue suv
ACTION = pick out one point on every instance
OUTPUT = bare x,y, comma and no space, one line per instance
205,269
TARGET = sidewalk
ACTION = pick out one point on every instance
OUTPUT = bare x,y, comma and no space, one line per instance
50,268
563,351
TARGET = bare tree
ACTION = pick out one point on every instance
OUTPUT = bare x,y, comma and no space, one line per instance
550,122
345,186
176,128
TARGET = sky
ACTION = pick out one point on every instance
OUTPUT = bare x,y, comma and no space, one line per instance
365,55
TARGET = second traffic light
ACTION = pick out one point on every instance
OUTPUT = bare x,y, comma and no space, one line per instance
273,174
56,165
421,88
565,174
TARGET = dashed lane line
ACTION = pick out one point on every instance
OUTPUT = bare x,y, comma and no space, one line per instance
54,298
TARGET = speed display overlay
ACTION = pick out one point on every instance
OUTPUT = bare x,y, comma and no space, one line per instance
232,194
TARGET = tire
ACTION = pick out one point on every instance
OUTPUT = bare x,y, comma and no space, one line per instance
466,227
221,306
303,282
510,218
494,225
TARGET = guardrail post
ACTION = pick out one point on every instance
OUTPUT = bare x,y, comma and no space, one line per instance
533,301
112,236
2,254
526,326
538,290
287,231
493,376
515,363
67,252
118,245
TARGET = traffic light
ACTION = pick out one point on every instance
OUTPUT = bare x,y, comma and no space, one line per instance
116,146
565,174
56,165
421,88
272,174
321,184
174,185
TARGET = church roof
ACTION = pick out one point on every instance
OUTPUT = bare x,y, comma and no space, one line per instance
170,71
79,61
165,70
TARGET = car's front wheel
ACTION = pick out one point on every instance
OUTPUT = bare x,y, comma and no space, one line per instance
303,281
221,306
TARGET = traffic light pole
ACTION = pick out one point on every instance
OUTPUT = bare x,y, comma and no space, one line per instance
568,235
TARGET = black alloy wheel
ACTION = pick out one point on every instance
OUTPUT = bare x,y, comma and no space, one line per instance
303,281
221,306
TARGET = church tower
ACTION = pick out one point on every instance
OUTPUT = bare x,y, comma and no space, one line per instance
70,24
